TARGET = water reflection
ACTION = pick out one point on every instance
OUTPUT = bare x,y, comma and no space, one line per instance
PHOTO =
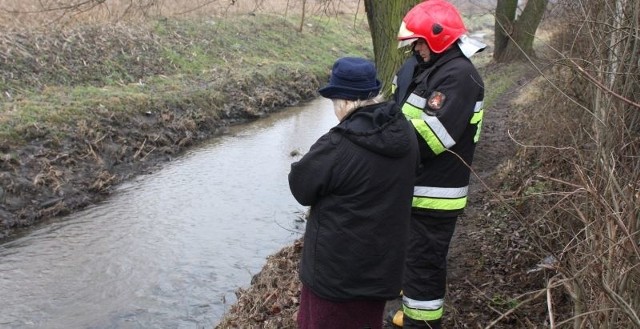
168,249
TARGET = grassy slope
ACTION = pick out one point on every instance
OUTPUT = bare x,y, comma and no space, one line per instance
61,77
88,108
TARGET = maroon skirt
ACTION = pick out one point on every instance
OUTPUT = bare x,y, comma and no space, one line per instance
319,313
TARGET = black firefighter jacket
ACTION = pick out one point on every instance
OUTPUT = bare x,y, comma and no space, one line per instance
358,179
443,101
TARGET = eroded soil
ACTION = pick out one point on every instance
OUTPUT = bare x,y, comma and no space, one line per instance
54,176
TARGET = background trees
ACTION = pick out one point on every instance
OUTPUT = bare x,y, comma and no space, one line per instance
515,30
596,45
514,34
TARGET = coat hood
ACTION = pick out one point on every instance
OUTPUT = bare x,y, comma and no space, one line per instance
379,128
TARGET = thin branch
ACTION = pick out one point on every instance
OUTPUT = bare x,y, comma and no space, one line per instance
602,86
61,8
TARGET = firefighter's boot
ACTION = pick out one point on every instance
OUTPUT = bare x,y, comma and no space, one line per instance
396,318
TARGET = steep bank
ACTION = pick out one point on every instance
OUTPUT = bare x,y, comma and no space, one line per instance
88,108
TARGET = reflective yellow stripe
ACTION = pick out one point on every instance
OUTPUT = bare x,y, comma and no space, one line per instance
412,108
422,315
476,119
440,198
428,135
425,310
433,304
411,112
429,127
394,84
439,130
439,204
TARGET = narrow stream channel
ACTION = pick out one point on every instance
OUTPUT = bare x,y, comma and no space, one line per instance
168,249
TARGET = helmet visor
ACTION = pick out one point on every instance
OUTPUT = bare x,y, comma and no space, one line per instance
406,36
406,42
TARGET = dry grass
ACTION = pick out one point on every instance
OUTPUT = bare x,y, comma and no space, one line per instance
85,108
579,172
20,14
272,301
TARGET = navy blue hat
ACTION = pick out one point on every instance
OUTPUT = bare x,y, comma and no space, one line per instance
352,78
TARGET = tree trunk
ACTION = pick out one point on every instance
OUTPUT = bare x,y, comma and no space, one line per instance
505,17
384,19
514,37
304,9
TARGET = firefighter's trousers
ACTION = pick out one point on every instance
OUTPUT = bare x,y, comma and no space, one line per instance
425,272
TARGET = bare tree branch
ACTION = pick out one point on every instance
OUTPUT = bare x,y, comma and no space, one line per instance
602,86
90,3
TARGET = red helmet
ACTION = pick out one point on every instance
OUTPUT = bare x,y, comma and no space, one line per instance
438,22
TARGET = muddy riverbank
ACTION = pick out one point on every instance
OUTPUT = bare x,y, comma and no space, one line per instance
100,105
51,177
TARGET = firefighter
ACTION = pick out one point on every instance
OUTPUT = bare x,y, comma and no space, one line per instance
441,94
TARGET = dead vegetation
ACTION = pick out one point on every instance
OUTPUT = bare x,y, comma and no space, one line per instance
86,109
94,55
95,92
39,14
272,300
51,176
578,178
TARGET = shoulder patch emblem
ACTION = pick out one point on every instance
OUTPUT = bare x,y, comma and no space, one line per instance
436,100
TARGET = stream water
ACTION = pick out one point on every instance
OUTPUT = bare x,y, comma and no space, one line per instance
166,250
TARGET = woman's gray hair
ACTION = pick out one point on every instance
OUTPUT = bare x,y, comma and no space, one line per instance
344,106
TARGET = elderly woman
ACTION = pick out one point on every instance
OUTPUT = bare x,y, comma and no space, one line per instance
358,179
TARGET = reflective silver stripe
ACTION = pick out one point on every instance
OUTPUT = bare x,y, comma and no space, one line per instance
478,106
395,80
423,304
440,192
417,101
439,130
